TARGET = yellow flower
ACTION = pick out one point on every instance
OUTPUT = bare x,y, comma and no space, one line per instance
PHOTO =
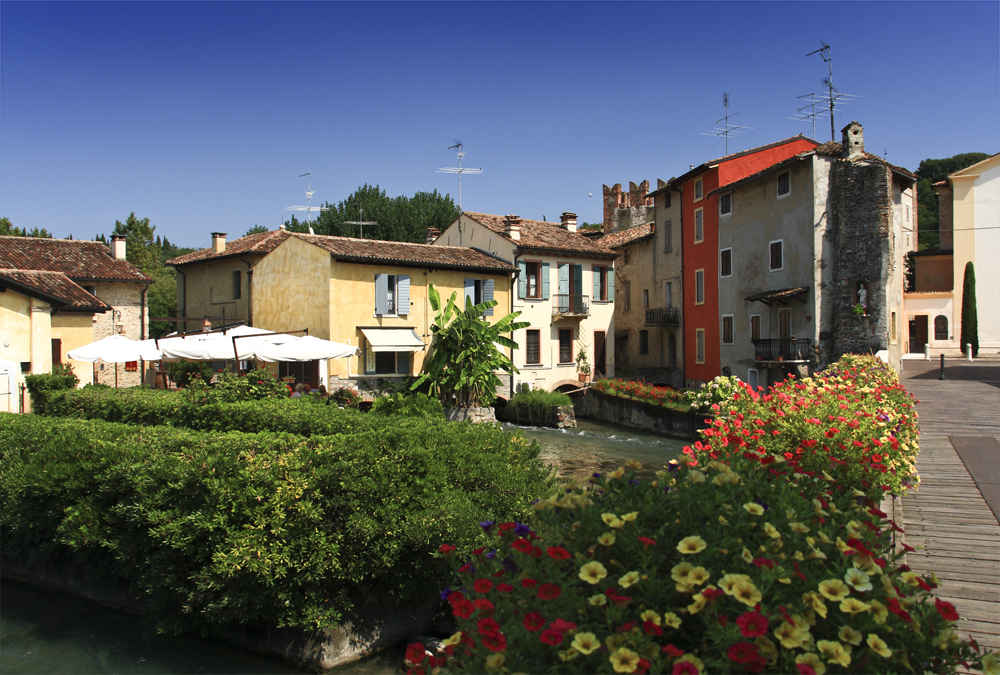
633,464
942,639
624,660
812,661
598,600
910,578
834,589
747,593
609,518
629,579
792,635
650,615
848,634
606,539
453,640
593,572
798,556
823,538
672,620
854,606
629,517
768,648
772,531
834,652
494,661
698,576
815,554
693,660
617,473
800,528
852,530
789,513
747,555
858,580
727,582
697,604
754,509
879,612
991,664
723,521
813,599
585,643
842,546
691,545
695,476
680,571
879,646
684,586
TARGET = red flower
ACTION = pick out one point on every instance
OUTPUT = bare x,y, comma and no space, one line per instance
627,627
479,550
528,583
549,591
673,651
551,637
484,605
522,545
685,668
462,609
741,652
506,527
752,624
804,669
764,562
482,585
446,548
723,620
652,629
946,610
495,643
533,621
646,541
712,593
558,552
455,596
415,653
642,666
562,625
505,588
487,627
465,568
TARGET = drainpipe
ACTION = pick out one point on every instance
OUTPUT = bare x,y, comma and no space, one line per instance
249,291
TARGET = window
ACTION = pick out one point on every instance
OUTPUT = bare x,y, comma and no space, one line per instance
699,342
726,262
645,298
666,200
752,378
892,328
727,329
131,366
627,295
479,290
907,213
697,189
565,345
754,327
601,283
237,284
699,226
386,363
726,204
532,348
699,287
644,342
668,294
668,235
940,327
625,260
784,184
533,280
777,256
392,294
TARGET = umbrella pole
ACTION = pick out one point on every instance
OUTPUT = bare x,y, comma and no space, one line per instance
116,375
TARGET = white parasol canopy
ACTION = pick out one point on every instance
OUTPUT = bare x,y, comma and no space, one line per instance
220,346
116,349
306,348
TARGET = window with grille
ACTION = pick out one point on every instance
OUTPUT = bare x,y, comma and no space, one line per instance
565,345
726,262
532,347
940,327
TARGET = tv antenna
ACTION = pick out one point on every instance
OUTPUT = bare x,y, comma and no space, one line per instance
458,146
828,99
310,208
726,130
361,223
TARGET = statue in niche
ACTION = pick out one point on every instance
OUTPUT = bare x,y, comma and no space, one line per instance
862,294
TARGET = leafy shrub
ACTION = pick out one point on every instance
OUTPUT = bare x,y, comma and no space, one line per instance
532,406
220,529
181,372
641,391
345,397
714,396
43,386
254,385
418,405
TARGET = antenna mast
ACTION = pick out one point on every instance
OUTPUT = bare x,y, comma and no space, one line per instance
828,98
361,223
726,130
310,208
459,170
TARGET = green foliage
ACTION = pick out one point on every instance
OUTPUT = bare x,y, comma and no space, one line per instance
582,362
255,385
216,530
532,406
397,218
7,228
345,397
638,390
970,315
43,386
465,355
416,405
181,372
256,229
929,172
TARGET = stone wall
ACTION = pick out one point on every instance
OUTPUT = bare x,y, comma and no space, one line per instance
670,377
557,416
638,414
474,415
623,210
127,299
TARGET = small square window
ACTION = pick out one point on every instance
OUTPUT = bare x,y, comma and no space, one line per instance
727,329
699,226
697,189
726,262
644,342
777,256
726,204
784,184
699,287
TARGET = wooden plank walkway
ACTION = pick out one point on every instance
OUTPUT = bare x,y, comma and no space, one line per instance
947,520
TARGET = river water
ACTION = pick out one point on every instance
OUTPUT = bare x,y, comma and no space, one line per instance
47,632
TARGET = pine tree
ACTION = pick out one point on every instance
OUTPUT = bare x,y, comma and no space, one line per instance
970,317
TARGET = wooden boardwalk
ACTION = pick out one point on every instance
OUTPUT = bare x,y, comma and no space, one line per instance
947,520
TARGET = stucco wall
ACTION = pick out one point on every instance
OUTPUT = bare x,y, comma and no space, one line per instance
977,207
15,326
206,289
76,330
930,305
934,273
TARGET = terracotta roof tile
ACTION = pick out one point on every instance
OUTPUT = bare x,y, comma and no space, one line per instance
629,236
537,235
260,243
53,287
79,260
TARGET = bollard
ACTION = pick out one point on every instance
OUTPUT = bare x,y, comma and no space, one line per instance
968,351
927,352
941,376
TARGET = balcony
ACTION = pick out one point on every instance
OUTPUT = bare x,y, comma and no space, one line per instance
663,316
570,305
793,351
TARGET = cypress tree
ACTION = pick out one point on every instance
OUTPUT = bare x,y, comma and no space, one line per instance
970,318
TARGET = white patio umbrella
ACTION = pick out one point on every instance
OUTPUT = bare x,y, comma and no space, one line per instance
220,346
306,348
116,349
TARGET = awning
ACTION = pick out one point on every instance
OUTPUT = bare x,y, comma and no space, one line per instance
393,339
782,296
308,348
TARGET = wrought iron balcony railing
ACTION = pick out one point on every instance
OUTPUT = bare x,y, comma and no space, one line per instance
783,350
663,316
571,305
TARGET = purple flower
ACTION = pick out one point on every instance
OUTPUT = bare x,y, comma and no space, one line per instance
491,554
522,530
445,593
597,475
509,564
486,525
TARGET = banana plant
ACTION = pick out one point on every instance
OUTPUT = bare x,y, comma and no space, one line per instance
465,353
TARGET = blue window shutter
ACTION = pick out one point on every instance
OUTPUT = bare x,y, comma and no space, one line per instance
470,292
611,284
522,278
545,281
488,294
381,294
597,282
403,293
402,363
577,279
563,279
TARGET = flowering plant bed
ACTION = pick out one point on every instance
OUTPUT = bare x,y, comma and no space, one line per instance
641,391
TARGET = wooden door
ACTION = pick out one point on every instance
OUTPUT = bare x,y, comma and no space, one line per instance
785,332
600,353
918,333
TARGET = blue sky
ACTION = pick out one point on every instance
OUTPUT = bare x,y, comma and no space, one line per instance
201,116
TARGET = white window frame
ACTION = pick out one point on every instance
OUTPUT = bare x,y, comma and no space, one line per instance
777,187
769,257
699,345
699,274
699,223
723,197
725,276
699,190
756,376
732,329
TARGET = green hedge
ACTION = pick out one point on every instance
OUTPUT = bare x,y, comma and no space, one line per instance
216,529
533,406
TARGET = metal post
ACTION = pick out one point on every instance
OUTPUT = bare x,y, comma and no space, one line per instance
941,376
968,351
927,352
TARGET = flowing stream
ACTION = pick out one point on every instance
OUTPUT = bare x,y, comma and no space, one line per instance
47,632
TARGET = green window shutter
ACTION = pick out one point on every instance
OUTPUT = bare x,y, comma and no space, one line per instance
522,278
611,284
488,294
402,363
577,279
545,281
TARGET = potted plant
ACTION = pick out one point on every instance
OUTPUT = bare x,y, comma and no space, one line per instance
859,309
583,365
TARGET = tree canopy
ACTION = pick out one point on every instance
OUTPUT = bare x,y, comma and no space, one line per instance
7,228
396,218
929,172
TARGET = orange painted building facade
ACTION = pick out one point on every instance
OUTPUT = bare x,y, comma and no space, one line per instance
700,242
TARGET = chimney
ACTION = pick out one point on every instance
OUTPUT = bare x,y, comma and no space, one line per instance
118,247
568,221
218,242
432,234
853,141
512,227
